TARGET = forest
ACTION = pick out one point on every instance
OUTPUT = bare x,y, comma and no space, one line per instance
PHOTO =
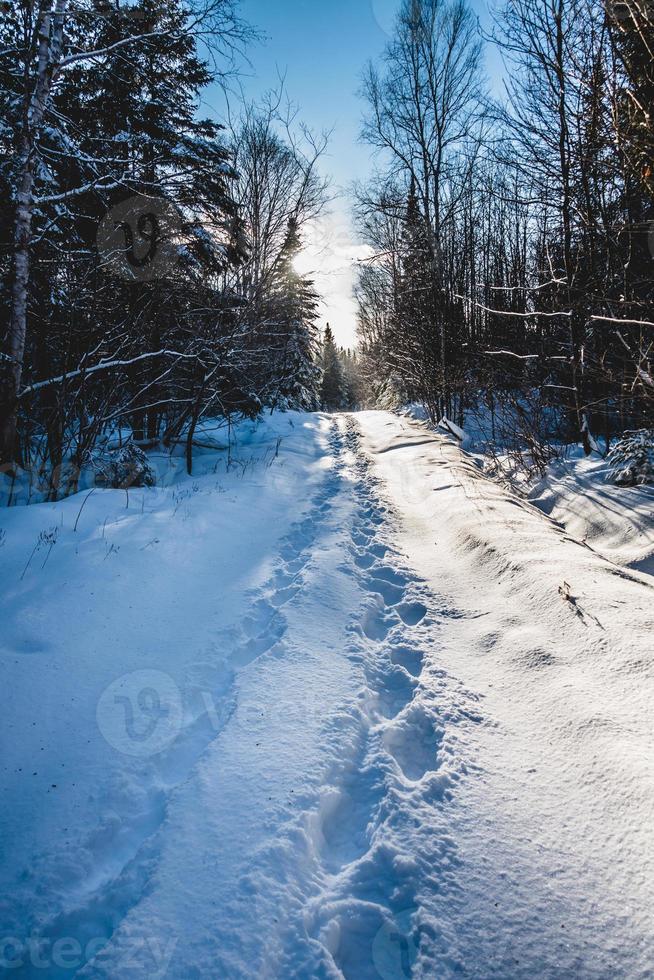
327,373
514,237
147,253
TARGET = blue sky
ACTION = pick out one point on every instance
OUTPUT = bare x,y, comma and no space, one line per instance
321,46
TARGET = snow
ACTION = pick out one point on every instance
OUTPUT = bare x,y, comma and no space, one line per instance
326,710
453,429
616,521
554,831
211,435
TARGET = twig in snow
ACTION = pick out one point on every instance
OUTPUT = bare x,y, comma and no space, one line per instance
566,594
34,551
82,508
45,538
49,537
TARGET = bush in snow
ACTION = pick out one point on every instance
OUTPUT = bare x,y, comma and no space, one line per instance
123,468
631,461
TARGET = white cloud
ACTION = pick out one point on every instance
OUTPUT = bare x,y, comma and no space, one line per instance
330,257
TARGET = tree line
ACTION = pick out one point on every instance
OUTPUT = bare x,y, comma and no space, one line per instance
341,387
512,236
147,253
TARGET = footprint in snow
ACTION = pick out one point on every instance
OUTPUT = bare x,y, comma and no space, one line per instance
409,658
392,594
374,624
412,613
413,742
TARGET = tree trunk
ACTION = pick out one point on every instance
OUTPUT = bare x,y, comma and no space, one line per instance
15,347
50,40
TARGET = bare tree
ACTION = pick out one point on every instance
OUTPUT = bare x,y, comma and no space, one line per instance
277,162
425,112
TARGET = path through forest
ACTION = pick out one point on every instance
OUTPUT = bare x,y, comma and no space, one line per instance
405,748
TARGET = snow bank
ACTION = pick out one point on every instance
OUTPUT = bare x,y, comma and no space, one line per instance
577,491
215,440
555,834
616,521
112,606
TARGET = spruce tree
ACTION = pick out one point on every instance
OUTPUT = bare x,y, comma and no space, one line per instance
418,338
292,332
349,370
331,390
632,30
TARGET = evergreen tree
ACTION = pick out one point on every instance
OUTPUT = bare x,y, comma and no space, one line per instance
632,31
349,371
418,340
331,390
292,332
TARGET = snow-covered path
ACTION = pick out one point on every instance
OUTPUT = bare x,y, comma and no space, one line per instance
399,751
314,811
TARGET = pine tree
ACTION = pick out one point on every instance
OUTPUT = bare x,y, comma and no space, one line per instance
418,338
110,127
331,390
292,314
349,371
632,30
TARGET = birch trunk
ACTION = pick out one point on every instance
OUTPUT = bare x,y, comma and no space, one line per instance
50,43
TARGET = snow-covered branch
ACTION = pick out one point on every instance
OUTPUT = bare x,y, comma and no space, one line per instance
509,313
104,366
